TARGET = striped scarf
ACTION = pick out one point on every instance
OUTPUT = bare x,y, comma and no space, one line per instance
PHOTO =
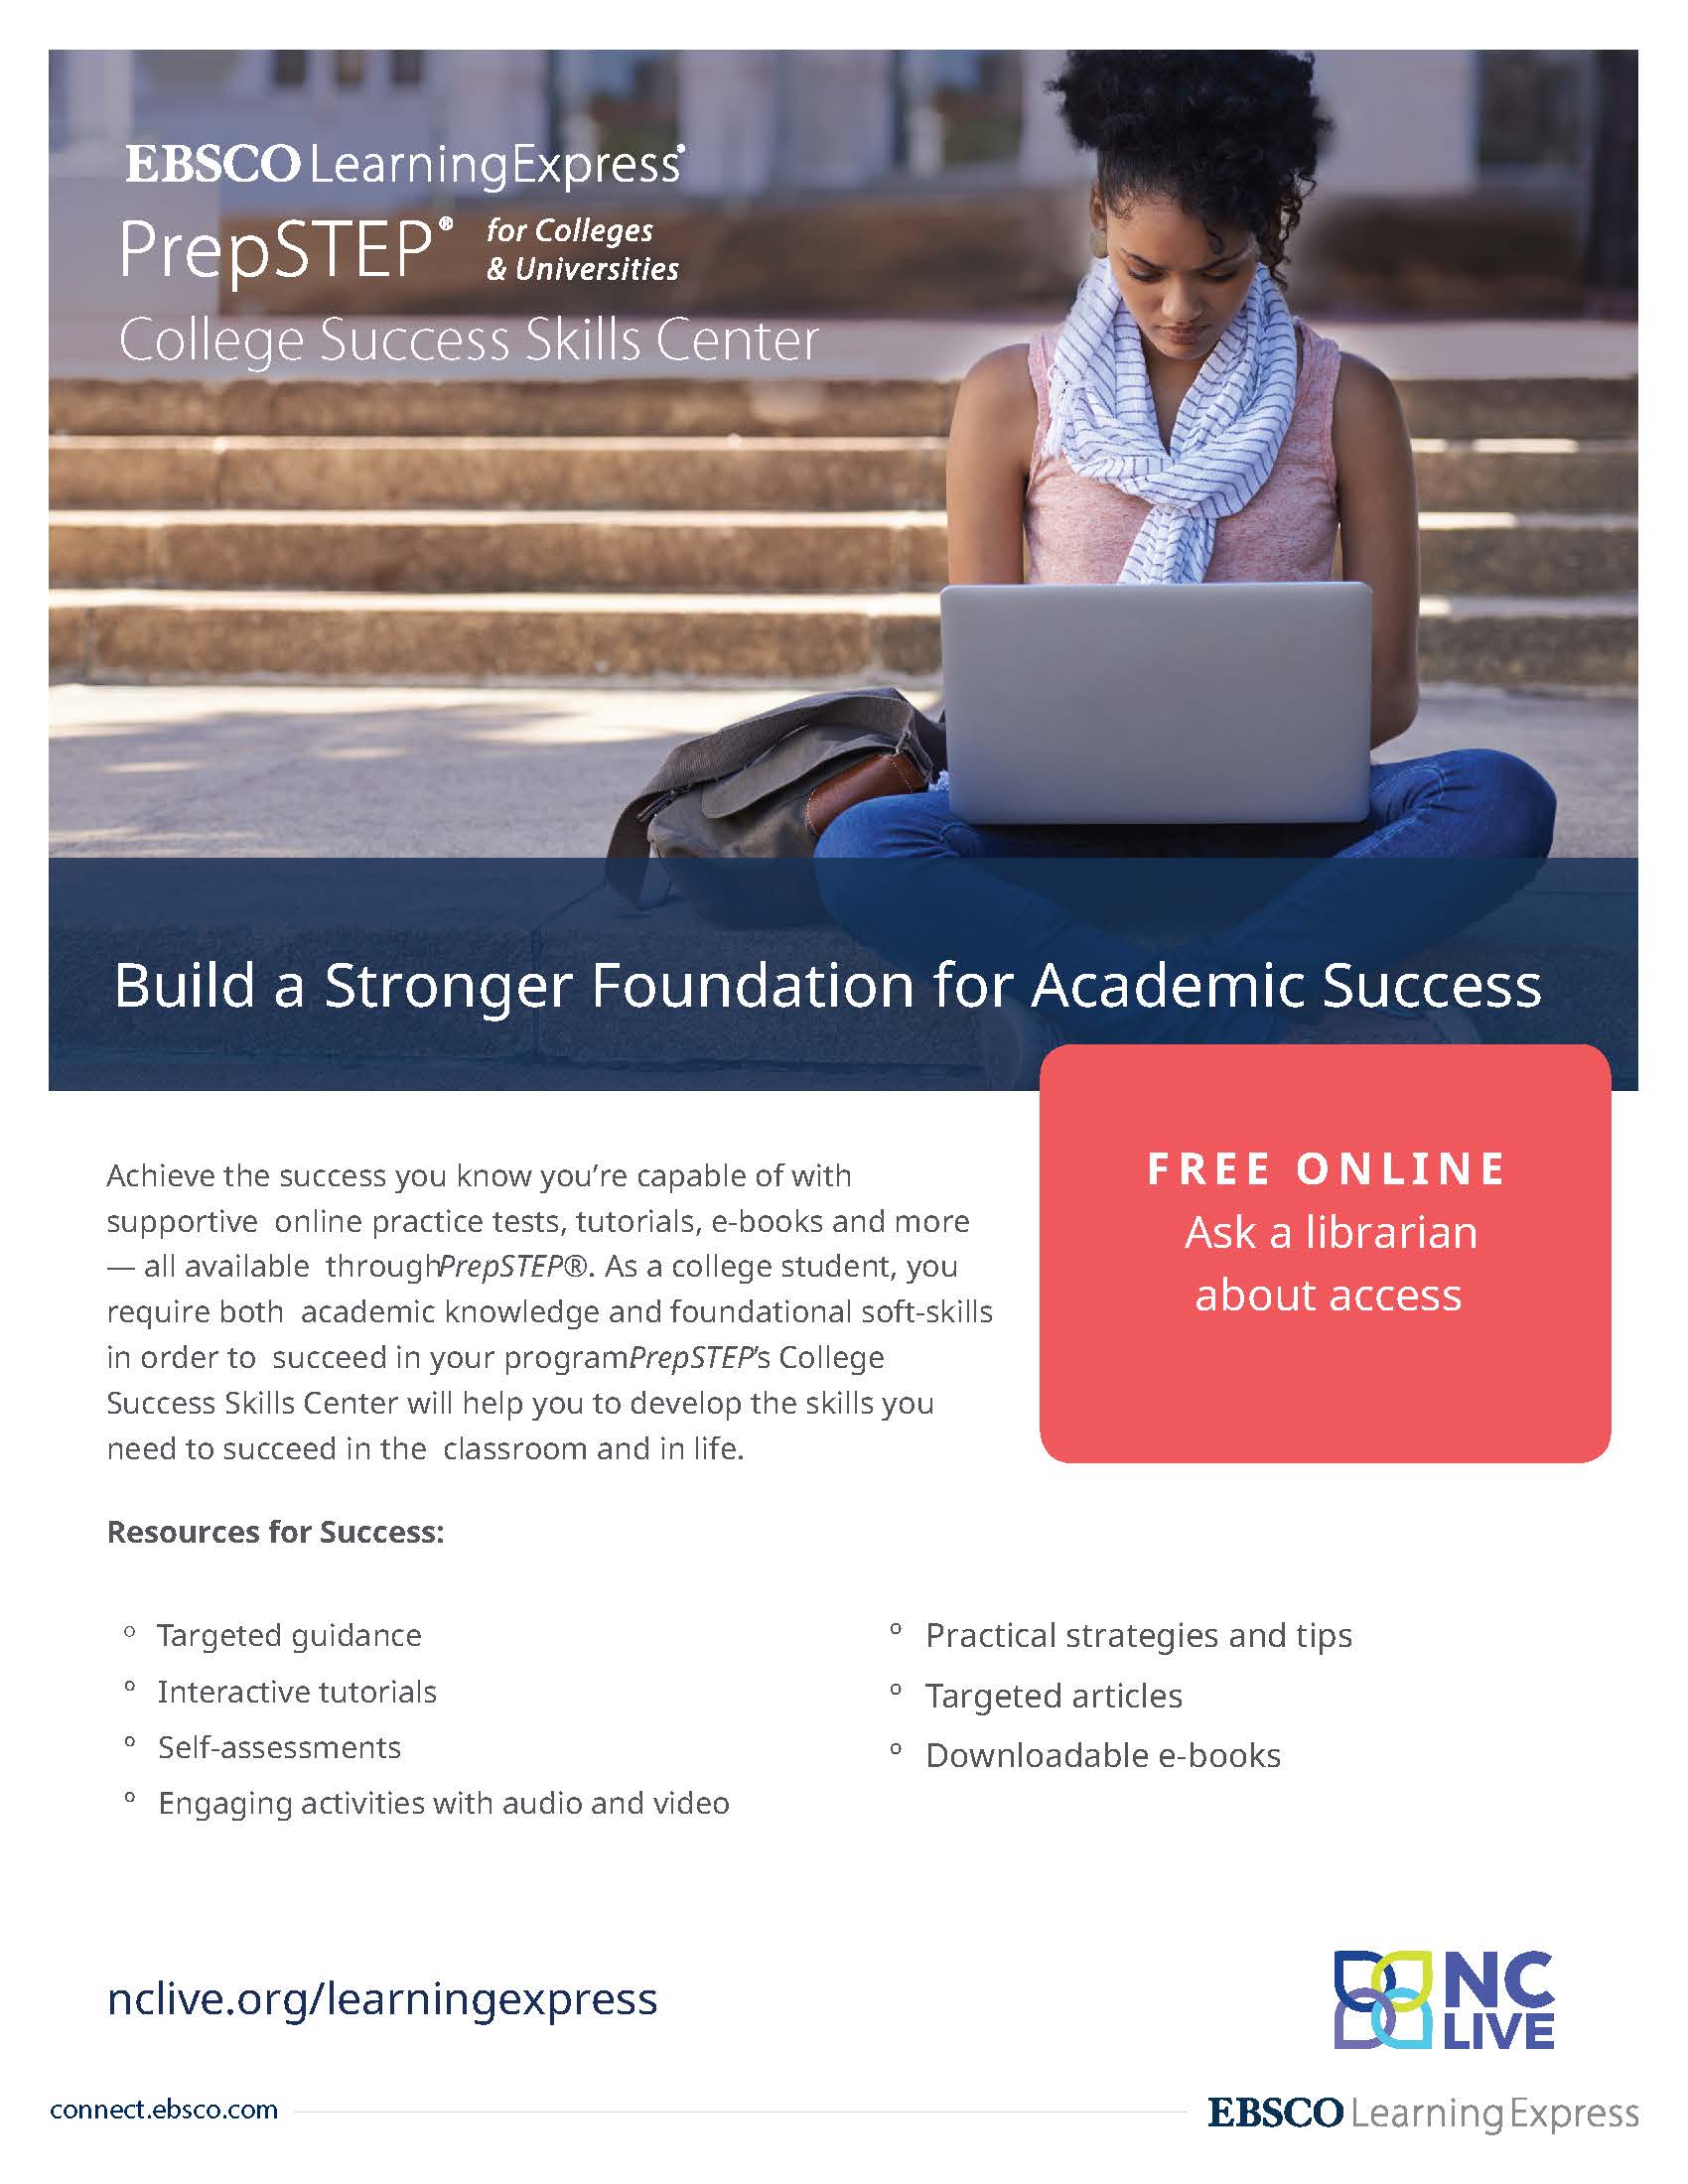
1231,425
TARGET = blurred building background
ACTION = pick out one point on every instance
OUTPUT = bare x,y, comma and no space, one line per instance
1458,183
517,586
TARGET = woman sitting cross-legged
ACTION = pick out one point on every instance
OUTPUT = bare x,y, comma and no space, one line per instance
1182,427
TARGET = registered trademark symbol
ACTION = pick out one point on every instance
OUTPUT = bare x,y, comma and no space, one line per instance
445,221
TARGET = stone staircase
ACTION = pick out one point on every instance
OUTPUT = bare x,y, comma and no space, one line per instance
783,531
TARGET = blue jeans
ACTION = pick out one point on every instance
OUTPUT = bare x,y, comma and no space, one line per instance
1476,823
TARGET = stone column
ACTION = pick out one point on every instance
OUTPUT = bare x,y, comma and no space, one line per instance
1406,123
1047,155
837,120
729,120
922,124
574,103
98,112
489,99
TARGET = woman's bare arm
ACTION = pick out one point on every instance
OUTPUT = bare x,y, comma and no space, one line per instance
1378,507
990,456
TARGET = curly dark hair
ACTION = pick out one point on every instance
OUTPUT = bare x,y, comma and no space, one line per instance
1234,137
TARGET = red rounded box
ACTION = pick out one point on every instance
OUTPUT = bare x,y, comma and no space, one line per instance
1134,1371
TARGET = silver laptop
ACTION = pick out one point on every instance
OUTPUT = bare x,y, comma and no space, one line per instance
1119,704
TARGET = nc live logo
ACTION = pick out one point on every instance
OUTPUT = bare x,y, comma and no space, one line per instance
1392,2000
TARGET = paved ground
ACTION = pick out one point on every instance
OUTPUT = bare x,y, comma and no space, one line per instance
256,772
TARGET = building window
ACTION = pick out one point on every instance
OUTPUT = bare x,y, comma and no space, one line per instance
614,103
407,70
288,70
958,109
636,101
349,70
1533,110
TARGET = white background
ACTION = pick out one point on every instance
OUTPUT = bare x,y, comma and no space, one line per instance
1482,1769
866,1966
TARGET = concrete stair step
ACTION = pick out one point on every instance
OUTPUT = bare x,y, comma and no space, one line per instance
1576,408
451,551
1540,475
624,408
867,473
513,551
1534,555
314,637
1568,409
143,636
1586,643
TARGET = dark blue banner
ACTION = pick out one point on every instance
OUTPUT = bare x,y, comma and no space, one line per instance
543,975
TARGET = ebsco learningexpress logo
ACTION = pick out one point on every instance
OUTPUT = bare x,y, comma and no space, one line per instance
1391,2000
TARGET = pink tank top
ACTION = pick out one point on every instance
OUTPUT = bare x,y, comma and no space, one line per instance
1078,530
